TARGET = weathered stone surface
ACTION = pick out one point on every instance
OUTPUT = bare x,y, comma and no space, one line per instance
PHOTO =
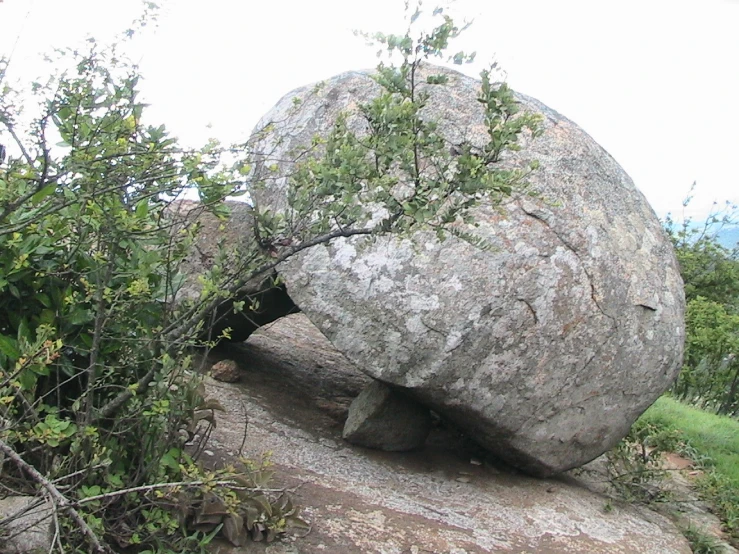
372,502
383,419
226,371
31,533
544,349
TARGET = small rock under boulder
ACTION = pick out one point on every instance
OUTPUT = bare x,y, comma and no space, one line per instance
383,419
439,499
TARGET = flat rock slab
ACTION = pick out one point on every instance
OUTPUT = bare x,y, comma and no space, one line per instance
296,391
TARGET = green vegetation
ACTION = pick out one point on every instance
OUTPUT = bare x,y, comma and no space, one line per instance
636,470
635,465
710,373
637,474
701,542
100,406
97,395
716,437
709,380
713,442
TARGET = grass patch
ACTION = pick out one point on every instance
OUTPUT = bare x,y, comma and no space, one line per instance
714,442
701,542
716,437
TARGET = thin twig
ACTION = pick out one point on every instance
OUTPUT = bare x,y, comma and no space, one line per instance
246,428
185,484
57,535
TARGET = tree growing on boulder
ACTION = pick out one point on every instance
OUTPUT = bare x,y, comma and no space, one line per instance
97,394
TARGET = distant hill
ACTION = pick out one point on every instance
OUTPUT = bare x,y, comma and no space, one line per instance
728,237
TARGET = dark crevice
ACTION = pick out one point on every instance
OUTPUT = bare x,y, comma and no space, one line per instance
263,304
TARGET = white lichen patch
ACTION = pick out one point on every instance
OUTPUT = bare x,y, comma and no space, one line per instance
415,325
344,254
453,340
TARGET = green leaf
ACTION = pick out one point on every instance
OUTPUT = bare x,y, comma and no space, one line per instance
23,331
93,490
142,209
210,536
171,459
114,480
44,299
27,379
86,339
79,316
437,79
9,347
47,316
48,190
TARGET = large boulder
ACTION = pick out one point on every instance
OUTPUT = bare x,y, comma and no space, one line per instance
26,525
544,348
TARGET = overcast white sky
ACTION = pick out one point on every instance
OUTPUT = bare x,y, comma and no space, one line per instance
655,82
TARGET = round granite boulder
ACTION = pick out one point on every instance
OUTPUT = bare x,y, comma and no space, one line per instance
543,348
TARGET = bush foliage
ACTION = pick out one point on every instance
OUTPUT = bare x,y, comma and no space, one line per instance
710,373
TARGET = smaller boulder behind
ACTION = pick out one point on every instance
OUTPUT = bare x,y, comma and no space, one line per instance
383,419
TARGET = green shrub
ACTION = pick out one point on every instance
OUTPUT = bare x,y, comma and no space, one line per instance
710,373
635,464
710,440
